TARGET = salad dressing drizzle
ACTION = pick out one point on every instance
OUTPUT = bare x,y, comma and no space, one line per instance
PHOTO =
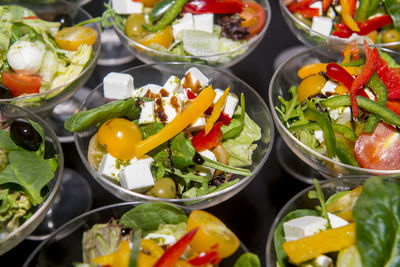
195,87
159,110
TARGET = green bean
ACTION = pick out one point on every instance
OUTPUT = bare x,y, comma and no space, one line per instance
159,9
381,94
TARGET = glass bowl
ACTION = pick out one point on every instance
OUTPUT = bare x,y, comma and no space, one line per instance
224,59
53,147
43,103
286,76
309,37
158,74
64,246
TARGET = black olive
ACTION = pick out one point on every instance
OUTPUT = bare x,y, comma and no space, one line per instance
64,19
5,92
24,135
125,231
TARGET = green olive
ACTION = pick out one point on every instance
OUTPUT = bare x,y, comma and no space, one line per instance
133,26
391,36
303,19
95,152
163,188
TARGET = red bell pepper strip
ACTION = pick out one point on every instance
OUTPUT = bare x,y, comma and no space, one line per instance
224,118
394,105
190,94
339,74
353,7
300,4
203,258
390,78
173,253
369,68
308,12
326,4
202,142
343,31
213,6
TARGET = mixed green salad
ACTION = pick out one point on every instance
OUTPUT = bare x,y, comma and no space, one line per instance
196,28
159,234
25,172
352,228
180,140
377,21
36,55
348,111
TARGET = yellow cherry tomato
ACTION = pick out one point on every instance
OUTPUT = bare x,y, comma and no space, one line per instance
163,37
72,37
211,232
149,3
119,137
310,86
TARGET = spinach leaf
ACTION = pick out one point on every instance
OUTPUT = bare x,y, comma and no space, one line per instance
30,171
149,216
182,151
248,260
376,214
114,109
150,129
279,235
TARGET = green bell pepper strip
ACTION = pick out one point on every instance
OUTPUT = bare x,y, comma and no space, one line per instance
345,155
382,96
366,9
326,126
384,113
346,131
172,12
159,9
393,8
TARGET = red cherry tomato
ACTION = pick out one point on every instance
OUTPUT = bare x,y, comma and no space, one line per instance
379,150
253,15
21,84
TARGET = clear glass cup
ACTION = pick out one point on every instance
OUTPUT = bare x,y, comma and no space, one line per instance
158,74
309,37
64,246
53,147
223,60
286,76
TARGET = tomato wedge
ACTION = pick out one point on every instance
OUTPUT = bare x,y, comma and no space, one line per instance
21,84
72,37
254,16
379,150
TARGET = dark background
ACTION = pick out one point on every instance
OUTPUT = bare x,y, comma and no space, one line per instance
251,212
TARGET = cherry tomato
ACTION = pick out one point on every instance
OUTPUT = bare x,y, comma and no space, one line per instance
119,137
21,84
72,37
253,15
147,3
379,150
163,37
211,232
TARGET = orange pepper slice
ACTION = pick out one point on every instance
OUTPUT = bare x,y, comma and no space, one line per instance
218,106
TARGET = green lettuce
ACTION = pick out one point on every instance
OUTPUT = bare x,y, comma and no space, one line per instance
248,260
176,230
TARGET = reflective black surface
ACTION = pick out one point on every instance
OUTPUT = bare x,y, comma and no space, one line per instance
251,212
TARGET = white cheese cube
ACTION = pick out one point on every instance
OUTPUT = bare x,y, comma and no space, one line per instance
173,84
323,261
198,125
166,108
137,176
110,167
303,226
185,23
317,5
322,25
230,105
340,115
196,76
218,94
147,113
148,90
319,134
161,239
206,171
118,85
204,22
329,88
336,221
127,6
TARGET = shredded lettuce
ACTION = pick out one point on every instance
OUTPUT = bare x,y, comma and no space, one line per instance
176,230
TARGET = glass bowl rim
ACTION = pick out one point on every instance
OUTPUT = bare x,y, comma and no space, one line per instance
144,197
281,128
96,54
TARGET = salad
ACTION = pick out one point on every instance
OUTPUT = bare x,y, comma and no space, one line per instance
377,21
348,111
182,139
358,227
196,30
159,234
25,171
36,55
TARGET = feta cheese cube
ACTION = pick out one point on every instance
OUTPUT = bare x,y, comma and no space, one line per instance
319,134
137,176
161,239
118,85
336,221
198,125
340,115
230,105
166,108
208,171
148,90
323,261
185,23
204,22
196,78
110,167
303,226
318,5
147,113
329,88
127,6
173,84
322,25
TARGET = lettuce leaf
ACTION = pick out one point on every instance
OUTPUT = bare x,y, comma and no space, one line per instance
248,260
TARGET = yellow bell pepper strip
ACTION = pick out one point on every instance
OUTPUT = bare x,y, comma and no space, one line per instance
218,106
310,247
316,68
347,54
343,206
180,122
310,86
347,16
151,247
120,258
